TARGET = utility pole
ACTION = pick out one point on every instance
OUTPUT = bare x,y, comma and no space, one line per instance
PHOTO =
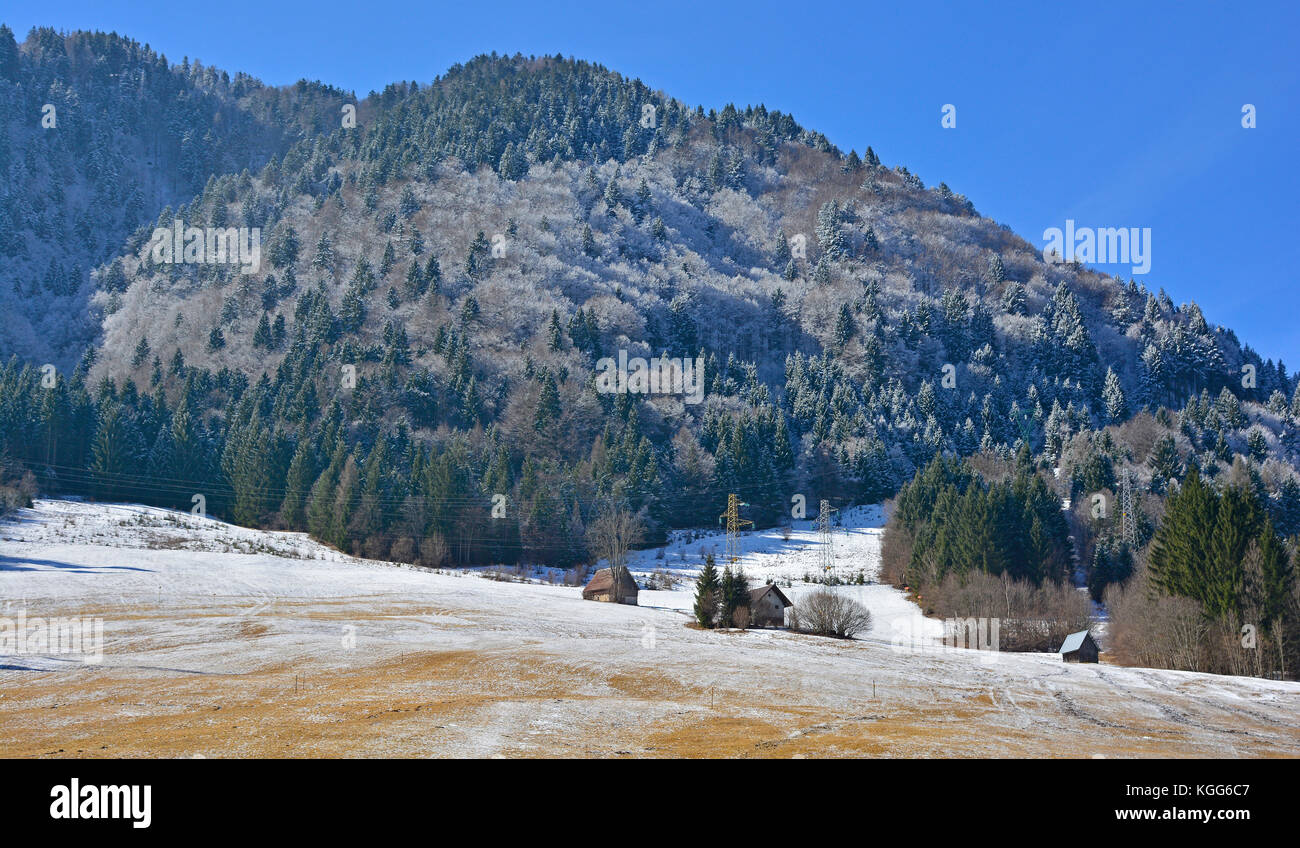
734,523
824,534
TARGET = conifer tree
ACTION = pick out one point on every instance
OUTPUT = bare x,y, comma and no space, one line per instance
782,254
548,403
844,327
589,246
262,335
1180,551
726,596
297,485
141,352
706,593
644,199
554,335
1113,396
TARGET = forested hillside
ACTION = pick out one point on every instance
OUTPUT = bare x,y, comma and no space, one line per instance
97,134
474,246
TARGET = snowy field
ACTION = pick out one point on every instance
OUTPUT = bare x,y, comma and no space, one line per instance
767,556
222,641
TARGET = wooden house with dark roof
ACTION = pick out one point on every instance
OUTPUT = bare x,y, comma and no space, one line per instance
1079,647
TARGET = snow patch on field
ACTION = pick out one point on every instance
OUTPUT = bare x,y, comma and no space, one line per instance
227,641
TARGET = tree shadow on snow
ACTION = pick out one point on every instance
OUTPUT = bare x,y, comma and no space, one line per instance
13,563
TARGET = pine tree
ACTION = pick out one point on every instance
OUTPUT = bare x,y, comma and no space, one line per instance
1113,396
1257,444
870,243
548,403
1166,464
324,253
829,235
1180,552
996,271
344,505
554,335
297,485
513,164
589,246
469,309
408,205
433,274
1285,509
644,199
726,596
782,255
477,259
320,502
141,352
1013,298
613,195
844,327
706,593
1271,586
114,452
262,335
9,61
352,311
822,271
414,281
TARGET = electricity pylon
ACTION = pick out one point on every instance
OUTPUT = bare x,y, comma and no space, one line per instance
734,523
824,533
1128,515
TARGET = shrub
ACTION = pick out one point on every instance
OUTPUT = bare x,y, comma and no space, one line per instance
825,613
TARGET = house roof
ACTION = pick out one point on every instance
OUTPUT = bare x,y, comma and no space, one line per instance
756,595
1073,642
603,581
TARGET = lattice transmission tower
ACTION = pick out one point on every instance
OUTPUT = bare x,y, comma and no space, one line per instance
1128,514
824,534
734,523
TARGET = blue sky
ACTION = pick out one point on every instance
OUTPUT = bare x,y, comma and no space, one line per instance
1111,114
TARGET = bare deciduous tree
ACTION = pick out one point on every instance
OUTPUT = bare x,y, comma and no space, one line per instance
433,551
612,533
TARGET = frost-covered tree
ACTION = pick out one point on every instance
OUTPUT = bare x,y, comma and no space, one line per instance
1112,396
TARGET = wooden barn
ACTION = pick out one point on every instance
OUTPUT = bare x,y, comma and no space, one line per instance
604,587
767,606
1079,647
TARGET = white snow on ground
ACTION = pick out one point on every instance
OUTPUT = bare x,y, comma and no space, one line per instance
227,641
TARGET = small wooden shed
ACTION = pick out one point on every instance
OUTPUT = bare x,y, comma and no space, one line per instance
767,606
1079,647
604,587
